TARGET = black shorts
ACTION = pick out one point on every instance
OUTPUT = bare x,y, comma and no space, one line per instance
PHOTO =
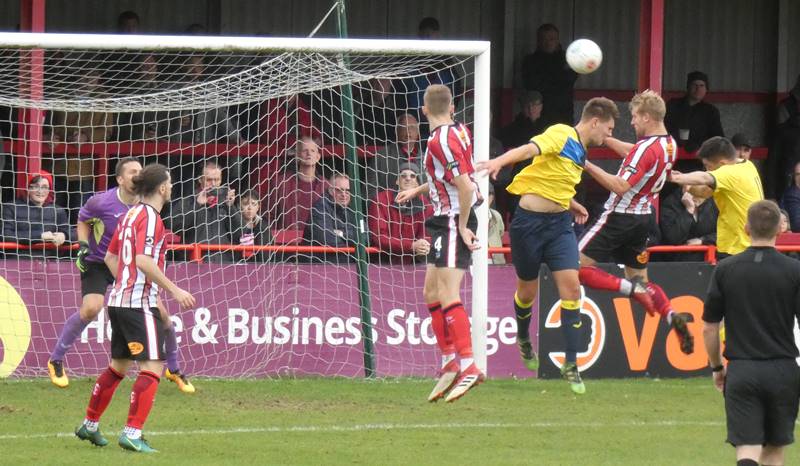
96,279
761,400
447,247
618,239
136,334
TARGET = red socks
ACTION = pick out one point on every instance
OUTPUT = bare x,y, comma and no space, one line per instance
142,398
103,391
458,325
598,279
444,338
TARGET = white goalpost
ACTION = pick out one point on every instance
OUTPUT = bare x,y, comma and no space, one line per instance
282,301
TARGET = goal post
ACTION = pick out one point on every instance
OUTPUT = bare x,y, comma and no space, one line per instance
44,73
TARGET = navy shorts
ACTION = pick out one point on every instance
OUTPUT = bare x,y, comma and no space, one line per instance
542,238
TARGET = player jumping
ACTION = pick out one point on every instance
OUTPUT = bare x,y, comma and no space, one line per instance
97,222
735,185
620,234
542,231
136,255
453,192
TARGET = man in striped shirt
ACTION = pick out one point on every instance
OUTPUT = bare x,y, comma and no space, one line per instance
136,257
453,193
620,234
97,222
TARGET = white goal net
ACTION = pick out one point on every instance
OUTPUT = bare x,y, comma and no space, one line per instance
285,156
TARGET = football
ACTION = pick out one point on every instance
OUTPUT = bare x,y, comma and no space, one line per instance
584,56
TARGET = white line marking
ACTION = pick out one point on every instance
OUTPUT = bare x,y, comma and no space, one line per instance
368,427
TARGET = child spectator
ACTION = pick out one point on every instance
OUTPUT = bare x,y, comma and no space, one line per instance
252,229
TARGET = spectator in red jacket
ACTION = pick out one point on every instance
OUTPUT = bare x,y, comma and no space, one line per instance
398,230
290,195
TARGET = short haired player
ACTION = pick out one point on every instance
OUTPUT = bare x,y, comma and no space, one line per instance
97,221
735,185
137,257
620,235
542,229
453,193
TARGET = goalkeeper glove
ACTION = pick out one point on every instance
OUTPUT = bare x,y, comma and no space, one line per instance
83,251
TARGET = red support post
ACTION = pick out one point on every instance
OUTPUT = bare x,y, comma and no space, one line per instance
28,144
651,45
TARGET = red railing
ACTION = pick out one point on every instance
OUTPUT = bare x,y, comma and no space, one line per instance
196,250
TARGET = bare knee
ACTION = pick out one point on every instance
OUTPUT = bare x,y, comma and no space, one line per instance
526,290
90,307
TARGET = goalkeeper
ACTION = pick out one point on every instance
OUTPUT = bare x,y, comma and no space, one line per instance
97,221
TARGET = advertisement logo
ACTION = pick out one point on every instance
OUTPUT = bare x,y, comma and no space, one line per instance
597,336
15,329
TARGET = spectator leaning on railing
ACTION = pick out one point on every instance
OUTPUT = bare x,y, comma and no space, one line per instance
35,218
398,230
333,221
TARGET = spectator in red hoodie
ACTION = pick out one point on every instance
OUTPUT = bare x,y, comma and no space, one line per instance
398,230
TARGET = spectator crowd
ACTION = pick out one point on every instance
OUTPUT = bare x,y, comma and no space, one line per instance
298,195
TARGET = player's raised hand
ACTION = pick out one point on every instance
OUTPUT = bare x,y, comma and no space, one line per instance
489,168
231,197
184,298
469,238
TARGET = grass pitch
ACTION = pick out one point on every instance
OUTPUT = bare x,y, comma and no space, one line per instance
386,422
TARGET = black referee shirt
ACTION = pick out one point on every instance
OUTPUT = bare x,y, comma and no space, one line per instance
757,292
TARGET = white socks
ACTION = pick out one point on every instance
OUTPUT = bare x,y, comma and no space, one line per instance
132,432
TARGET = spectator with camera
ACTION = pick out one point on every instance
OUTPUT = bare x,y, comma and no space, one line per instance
209,215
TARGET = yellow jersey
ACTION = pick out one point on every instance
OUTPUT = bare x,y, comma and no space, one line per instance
553,173
738,185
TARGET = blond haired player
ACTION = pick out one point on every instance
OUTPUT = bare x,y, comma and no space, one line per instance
453,192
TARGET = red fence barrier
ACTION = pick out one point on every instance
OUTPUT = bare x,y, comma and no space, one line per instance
196,250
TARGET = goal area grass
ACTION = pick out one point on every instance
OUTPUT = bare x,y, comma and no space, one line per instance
354,421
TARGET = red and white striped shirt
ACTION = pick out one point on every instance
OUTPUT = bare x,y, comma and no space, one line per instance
645,168
448,155
141,231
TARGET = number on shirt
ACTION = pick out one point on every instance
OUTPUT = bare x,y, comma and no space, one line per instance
662,180
127,247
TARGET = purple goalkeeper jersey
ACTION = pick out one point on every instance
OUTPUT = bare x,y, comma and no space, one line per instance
102,212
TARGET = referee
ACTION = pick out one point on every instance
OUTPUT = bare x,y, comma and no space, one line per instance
757,292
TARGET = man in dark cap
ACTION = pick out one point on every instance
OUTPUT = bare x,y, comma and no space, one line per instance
742,144
689,119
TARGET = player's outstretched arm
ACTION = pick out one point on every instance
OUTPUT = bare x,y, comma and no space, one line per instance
466,189
613,183
697,178
409,194
147,265
492,167
701,184
620,148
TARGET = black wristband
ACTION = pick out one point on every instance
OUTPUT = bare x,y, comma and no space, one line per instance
717,368
83,244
